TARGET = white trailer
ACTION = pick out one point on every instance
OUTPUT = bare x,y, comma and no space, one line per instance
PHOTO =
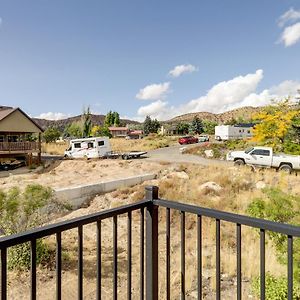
95,147
232,132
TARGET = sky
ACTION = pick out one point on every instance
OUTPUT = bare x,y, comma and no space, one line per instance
147,57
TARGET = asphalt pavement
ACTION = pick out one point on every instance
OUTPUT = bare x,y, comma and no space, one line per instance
170,154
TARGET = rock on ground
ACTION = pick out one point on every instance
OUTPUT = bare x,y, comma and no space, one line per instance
210,186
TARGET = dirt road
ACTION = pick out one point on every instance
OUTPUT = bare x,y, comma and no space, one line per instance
173,154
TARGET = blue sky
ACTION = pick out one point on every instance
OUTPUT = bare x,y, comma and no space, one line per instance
58,55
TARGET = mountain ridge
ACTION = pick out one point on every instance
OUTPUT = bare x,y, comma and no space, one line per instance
243,112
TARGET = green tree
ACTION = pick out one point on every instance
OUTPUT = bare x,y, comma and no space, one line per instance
116,119
109,119
182,128
86,122
155,125
105,132
209,126
74,130
150,126
147,125
293,134
51,134
112,119
197,125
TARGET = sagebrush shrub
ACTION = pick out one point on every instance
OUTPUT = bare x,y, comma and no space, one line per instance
284,208
23,210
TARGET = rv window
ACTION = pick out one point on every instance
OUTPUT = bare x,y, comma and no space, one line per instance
90,145
101,143
77,145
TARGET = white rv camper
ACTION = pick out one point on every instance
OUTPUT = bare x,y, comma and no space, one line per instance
95,147
232,132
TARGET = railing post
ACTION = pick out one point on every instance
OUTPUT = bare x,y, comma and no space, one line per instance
151,244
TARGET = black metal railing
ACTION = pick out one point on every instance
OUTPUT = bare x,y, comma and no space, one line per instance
150,276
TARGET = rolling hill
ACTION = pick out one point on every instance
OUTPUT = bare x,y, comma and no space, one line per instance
244,112
61,124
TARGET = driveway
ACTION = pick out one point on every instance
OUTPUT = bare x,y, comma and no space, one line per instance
173,154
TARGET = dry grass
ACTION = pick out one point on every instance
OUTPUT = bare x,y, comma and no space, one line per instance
148,143
54,148
119,144
238,190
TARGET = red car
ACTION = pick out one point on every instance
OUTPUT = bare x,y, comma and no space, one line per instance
188,140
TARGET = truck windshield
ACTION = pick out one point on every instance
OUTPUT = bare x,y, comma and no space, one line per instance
248,150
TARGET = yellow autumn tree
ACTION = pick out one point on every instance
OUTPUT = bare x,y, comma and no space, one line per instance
274,122
96,130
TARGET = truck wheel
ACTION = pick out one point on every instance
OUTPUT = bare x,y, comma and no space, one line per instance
239,162
125,157
285,168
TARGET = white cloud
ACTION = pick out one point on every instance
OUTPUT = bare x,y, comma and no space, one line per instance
225,94
291,35
237,92
153,91
155,109
286,88
289,16
181,69
53,116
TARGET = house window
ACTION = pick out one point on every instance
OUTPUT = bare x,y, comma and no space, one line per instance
77,145
12,138
101,143
1,138
248,131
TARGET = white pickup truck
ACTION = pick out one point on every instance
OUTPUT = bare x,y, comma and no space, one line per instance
264,157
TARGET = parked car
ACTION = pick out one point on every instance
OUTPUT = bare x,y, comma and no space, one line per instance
203,138
265,157
188,140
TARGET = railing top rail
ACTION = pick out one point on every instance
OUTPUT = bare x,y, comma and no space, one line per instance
231,217
36,233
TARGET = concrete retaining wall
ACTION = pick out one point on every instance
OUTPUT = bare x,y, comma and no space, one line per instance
76,196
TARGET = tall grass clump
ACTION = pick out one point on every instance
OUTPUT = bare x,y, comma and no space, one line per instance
23,210
282,207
